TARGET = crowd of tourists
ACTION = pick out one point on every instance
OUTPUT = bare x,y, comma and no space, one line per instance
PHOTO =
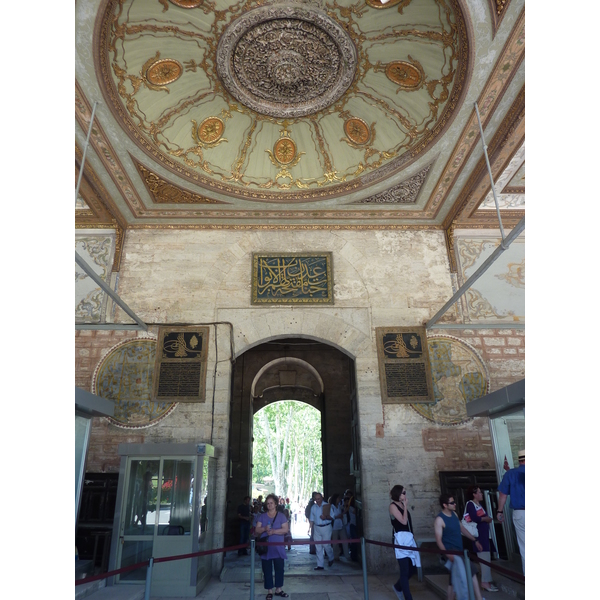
336,520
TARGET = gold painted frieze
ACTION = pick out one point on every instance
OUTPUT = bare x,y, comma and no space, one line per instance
294,278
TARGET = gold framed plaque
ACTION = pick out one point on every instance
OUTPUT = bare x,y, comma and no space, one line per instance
180,368
404,368
292,278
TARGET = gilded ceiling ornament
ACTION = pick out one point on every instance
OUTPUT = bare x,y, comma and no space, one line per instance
405,192
378,4
164,71
284,150
187,3
405,74
211,130
302,45
163,192
286,61
357,131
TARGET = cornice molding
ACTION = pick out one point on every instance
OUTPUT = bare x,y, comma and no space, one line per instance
506,66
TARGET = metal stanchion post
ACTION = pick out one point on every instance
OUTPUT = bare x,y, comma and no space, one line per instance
148,579
252,546
364,566
469,576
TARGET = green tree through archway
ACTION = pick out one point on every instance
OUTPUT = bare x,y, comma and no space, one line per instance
287,452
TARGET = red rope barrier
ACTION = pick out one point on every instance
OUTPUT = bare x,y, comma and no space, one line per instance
293,542
472,556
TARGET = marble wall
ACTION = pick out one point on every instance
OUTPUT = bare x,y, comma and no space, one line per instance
382,278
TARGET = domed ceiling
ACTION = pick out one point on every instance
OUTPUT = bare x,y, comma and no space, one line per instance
212,112
299,100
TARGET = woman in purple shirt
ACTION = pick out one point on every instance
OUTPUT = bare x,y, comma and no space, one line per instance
276,525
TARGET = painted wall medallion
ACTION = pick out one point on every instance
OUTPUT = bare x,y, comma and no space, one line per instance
297,278
211,130
164,71
357,131
406,75
284,150
125,376
459,376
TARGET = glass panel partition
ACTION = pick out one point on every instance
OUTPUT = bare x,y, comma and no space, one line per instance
176,497
142,497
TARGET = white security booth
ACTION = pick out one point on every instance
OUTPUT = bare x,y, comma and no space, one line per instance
165,507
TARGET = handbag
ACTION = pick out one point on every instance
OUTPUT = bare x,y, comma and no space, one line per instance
470,526
264,537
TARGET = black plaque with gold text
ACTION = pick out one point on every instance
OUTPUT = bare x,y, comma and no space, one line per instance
404,369
180,370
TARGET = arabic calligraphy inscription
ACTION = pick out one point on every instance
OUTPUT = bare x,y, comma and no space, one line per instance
303,278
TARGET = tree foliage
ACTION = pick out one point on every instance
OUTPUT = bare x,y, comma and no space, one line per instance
287,447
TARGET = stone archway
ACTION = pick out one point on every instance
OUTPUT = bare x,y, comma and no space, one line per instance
293,368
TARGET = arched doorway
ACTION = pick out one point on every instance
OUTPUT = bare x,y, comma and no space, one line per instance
301,369
287,452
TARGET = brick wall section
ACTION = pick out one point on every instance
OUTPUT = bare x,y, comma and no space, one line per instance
90,347
469,446
465,447
502,351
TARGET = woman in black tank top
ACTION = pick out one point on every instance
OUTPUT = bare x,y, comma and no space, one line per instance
401,521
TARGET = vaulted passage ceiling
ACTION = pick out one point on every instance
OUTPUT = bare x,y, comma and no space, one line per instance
300,113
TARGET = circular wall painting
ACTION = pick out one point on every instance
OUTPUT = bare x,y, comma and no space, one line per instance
125,376
459,376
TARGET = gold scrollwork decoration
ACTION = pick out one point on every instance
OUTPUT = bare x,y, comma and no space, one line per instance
409,76
378,4
358,132
187,3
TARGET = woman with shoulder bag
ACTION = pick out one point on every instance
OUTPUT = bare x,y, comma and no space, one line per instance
275,525
475,514
408,560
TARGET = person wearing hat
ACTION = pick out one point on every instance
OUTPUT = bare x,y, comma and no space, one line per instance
513,485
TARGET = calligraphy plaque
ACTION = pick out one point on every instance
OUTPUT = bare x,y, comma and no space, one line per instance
180,369
404,369
299,278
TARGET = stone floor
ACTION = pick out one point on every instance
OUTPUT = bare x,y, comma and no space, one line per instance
342,581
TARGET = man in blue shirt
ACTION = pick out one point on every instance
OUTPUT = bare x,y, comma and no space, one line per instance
513,484
448,531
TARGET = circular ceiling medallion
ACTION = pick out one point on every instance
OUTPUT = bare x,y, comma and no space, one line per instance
286,61
407,76
284,151
164,71
357,131
211,130
459,376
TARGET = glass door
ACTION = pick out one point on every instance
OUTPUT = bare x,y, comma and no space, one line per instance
157,509
137,528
